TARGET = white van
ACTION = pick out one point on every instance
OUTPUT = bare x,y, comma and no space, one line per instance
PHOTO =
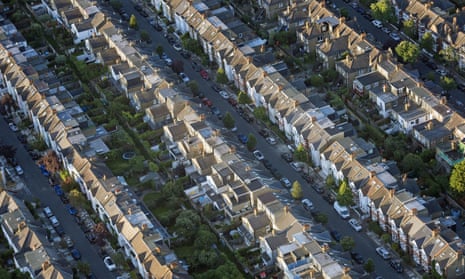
48,212
343,211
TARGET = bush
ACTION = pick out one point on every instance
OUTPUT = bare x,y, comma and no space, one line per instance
374,227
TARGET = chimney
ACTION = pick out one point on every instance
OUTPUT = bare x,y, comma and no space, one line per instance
144,227
436,232
21,226
342,20
404,177
353,156
414,211
306,227
255,211
454,24
385,88
325,248
391,193
286,209
429,125
307,25
443,100
406,106
453,145
326,41
104,177
280,87
45,265
202,117
372,174
288,9
130,211
249,59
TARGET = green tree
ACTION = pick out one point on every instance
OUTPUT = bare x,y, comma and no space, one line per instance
225,271
76,198
412,162
159,50
410,28
448,83
383,11
457,178
330,182
301,154
344,194
194,87
260,113
133,22
228,120
251,142
153,167
407,51
315,80
221,76
296,190
144,36
83,267
427,42
347,243
321,218
448,55
187,223
204,239
243,98
369,266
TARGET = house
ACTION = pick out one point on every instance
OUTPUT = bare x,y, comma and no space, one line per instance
158,115
272,7
363,83
82,30
409,114
71,16
254,226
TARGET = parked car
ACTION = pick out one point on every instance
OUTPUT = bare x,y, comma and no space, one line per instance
383,253
111,266
336,235
307,177
204,74
329,198
91,237
184,77
13,127
357,257
216,88
232,101
394,36
396,265
196,66
64,199
22,139
71,209
59,230
177,47
216,112
296,166
48,212
271,140
75,254
285,182
258,155
287,157
342,210
355,225
69,242
224,95
267,164
19,170
264,132
58,190
318,188
307,204
207,102
377,23
138,8
185,54
242,138
143,13
54,221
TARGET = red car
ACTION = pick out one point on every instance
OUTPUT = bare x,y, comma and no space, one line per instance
207,102
232,101
204,74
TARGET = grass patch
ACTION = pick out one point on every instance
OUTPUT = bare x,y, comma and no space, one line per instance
119,167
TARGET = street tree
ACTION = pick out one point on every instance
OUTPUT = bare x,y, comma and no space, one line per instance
76,198
8,151
144,36
194,87
116,4
221,76
448,55
296,190
410,28
347,243
407,51
427,42
383,11
369,266
321,218
243,98
187,223
133,22
228,120
159,50
301,154
345,196
448,83
83,268
251,142
457,178
51,162
260,113
177,66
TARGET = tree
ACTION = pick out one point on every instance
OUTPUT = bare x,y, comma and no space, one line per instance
194,87
204,239
457,178
296,190
383,11
344,194
412,162
448,83
347,243
144,36
427,42
228,120
301,154
410,28
159,50
153,167
76,198
51,162
8,151
407,51
448,55
315,81
177,66
321,218
260,113
243,98
187,223
251,142
101,233
369,266
83,268
221,76
133,22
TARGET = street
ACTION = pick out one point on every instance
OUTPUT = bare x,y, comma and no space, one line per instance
39,187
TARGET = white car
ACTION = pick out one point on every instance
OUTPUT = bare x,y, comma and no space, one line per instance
285,182
13,127
19,170
355,225
377,23
177,47
307,204
442,72
271,140
54,221
258,155
184,78
383,253
395,36
109,263
224,94
296,166
168,61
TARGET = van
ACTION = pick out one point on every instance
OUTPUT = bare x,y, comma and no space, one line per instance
48,212
343,211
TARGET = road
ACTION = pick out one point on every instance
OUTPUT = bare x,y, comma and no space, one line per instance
364,245
40,188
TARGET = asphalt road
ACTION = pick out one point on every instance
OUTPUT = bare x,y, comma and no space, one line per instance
364,245
40,188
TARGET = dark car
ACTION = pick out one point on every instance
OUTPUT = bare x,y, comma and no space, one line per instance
22,139
185,54
58,190
275,173
336,235
216,88
216,112
71,209
307,177
264,133
196,67
60,231
318,188
396,265
242,138
287,157
267,164
232,101
158,27
138,8
143,13
76,254
328,198
357,257
64,199
207,102
91,237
